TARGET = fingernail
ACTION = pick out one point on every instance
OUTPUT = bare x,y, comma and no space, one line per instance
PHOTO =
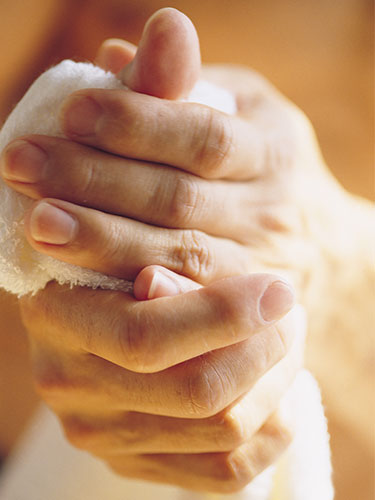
162,286
81,115
49,224
23,162
276,301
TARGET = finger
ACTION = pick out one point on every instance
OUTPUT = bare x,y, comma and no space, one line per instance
257,405
192,137
129,432
154,282
40,167
167,63
122,247
149,336
215,472
114,54
252,90
195,389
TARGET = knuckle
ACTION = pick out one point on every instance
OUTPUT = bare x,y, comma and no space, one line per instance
158,202
269,351
186,201
281,432
229,432
230,475
125,120
51,384
214,147
30,312
283,338
35,312
279,143
87,183
231,311
110,244
278,219
136,346
240,470
195,258
206,389
278,153
80,434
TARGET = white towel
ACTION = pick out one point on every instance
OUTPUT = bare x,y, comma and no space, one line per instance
305,469
22,269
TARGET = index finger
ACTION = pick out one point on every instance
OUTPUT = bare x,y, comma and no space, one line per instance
189,136
153,335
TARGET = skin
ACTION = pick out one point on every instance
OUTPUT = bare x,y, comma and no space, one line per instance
195,398
132,400
170,194
280,221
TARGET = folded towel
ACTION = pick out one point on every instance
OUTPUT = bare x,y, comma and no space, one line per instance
305,471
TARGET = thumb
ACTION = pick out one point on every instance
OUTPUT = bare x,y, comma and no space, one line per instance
167,63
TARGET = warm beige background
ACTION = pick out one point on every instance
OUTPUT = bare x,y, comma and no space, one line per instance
318,52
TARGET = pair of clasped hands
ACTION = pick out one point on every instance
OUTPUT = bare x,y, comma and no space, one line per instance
181,381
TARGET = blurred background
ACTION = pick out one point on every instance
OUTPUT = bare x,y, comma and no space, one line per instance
319,53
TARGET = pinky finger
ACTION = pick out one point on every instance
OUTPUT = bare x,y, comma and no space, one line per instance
156,281
210,472
114,54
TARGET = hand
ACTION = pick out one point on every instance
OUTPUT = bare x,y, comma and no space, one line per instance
160,389
289,213
242,186
271,392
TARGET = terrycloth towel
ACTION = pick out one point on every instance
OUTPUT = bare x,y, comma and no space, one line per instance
22,269
305,471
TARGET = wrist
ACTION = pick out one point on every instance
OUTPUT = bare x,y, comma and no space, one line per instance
344,245
339,301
